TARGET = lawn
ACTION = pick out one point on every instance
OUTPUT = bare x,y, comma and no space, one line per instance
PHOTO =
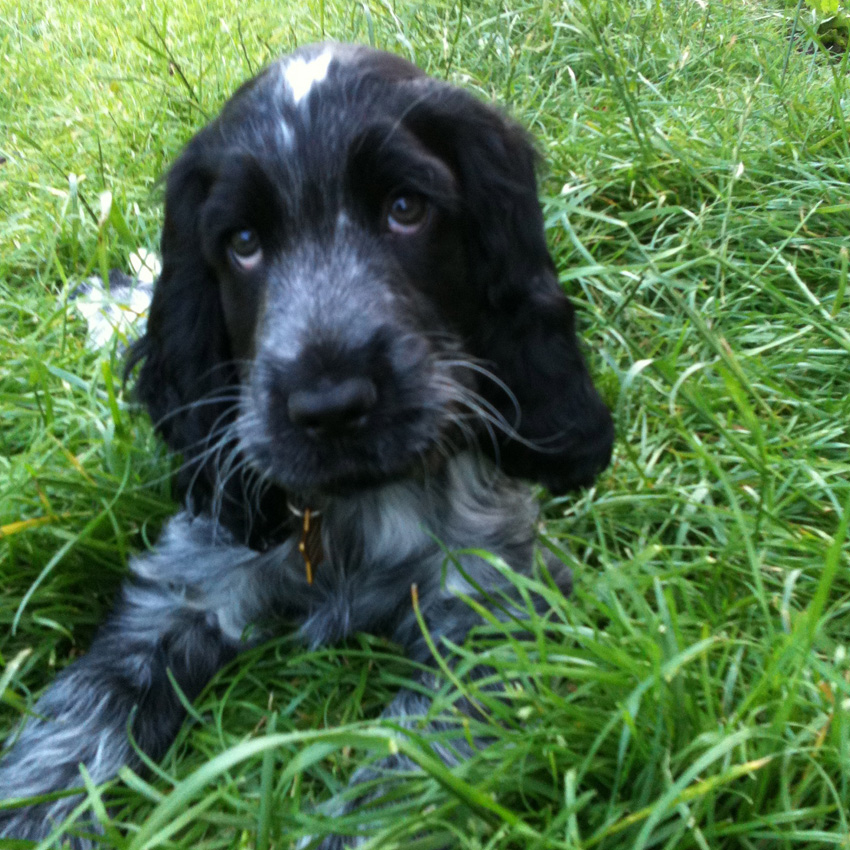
694,691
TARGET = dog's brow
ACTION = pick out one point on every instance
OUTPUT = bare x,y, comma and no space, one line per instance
400,159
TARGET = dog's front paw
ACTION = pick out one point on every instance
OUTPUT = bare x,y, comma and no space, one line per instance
35,823
330,842
339,842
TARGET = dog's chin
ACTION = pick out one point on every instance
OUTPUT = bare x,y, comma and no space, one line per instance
331,483
314,483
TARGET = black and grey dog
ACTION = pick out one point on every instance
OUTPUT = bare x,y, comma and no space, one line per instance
358,343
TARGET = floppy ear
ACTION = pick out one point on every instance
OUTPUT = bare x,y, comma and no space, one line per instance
185,350
525,329
187,380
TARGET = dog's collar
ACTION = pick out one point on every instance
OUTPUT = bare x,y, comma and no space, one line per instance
310,543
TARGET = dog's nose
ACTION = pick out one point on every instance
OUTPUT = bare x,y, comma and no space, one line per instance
331,408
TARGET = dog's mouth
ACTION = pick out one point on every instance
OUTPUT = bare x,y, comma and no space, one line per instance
335,483
349,480
315,466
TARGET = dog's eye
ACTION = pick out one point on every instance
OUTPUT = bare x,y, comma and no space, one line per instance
245,249
407,214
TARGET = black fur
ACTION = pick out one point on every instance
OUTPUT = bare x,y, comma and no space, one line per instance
358,314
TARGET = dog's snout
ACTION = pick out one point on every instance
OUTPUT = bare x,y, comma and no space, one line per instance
333,407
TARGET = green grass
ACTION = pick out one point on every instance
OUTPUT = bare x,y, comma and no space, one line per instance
695,690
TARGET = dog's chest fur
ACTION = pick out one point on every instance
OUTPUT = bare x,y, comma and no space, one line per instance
376,546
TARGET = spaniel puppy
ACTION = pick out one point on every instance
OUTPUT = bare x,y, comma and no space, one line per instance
360,348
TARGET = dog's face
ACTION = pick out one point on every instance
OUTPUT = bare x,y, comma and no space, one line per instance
334,232
356,282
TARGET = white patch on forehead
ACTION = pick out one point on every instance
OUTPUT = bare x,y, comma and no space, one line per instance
302,74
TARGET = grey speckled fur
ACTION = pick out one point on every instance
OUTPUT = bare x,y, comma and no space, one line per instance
189,602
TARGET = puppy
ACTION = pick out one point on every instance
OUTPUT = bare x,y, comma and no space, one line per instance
360,348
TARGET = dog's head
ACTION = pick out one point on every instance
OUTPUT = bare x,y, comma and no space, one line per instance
355,282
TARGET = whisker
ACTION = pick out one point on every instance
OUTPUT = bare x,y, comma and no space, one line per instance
480,407
486,373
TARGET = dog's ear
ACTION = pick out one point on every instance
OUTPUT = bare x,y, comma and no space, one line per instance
186,377
524,331
184,353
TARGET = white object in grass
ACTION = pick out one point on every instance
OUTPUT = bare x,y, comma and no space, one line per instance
119,307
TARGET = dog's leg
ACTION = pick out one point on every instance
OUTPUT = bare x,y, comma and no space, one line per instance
447,619
371,782
408,709
180,617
